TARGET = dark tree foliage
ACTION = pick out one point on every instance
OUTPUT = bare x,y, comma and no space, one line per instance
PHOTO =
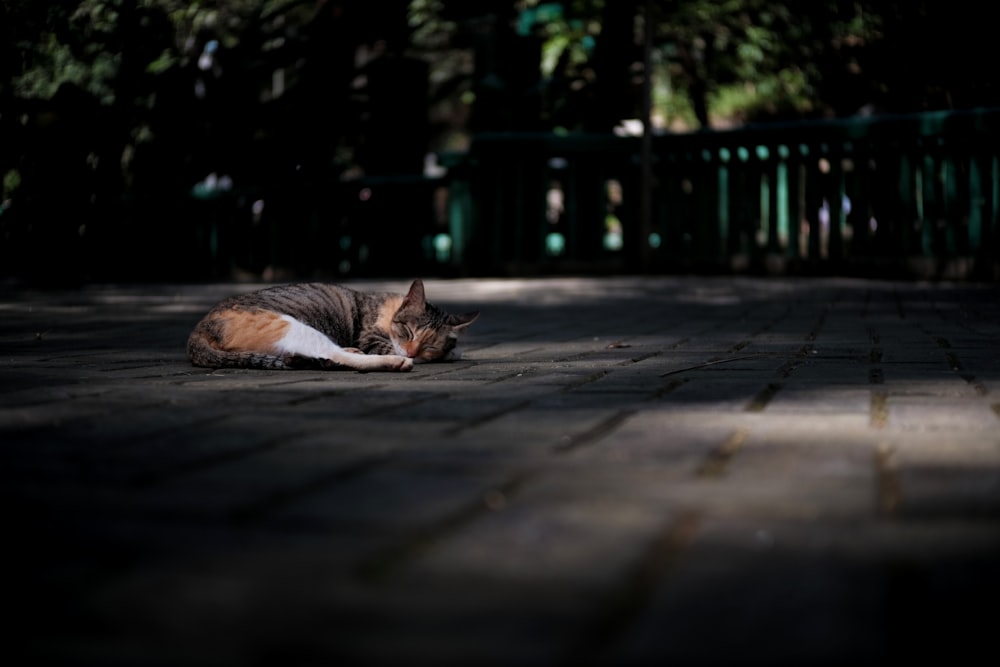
113,112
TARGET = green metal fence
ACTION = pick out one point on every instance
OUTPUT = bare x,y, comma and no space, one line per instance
889,195
898,196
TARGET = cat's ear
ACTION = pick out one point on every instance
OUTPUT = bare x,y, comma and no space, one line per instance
459,322
415,297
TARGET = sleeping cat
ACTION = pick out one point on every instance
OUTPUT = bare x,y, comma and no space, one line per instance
319,325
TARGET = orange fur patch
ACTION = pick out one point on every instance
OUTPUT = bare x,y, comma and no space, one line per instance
386,312
251,330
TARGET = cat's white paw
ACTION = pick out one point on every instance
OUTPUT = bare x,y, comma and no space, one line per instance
397,363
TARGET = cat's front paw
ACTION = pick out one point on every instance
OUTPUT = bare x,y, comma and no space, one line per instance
398,363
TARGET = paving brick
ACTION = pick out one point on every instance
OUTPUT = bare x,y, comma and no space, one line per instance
622,470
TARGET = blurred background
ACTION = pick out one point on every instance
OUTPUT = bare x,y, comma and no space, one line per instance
249,140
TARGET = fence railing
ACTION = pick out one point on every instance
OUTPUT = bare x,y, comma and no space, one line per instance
888,195
897,196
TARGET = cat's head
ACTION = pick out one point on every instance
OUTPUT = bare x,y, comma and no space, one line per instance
423,331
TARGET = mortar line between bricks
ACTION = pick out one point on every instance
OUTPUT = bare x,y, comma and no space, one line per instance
152,478
488,417
158,366
713,362
587,379
715,464
628,601
251,511
763,397
888,493
900,310
668,388
381,565
641,357
595,432
955,364
111,442
321,395
879,407
408,403
504,378
746,342
496,414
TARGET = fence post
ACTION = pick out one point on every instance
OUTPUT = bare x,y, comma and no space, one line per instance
722,219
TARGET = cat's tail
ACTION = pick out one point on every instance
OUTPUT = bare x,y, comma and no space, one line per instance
203,353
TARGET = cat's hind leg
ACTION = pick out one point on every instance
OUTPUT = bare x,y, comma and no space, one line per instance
301,340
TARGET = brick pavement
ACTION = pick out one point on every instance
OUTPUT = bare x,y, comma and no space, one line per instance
664,470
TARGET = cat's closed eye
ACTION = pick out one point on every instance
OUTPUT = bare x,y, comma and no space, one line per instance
440,347
404,332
